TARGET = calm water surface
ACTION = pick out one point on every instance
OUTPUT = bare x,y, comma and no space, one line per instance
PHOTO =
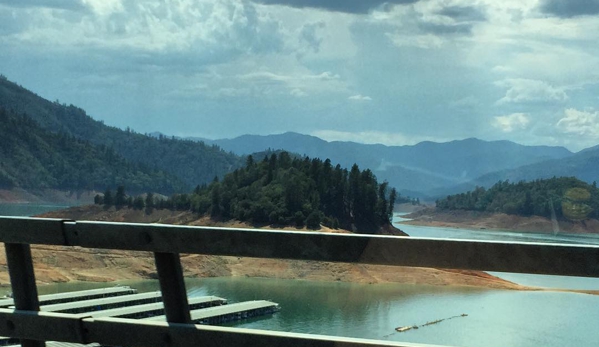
524,279
27,209
495,317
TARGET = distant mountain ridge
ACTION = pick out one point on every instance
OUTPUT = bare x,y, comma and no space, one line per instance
420,168
583,165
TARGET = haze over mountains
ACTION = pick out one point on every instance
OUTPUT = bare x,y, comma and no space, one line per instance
427,169
436,169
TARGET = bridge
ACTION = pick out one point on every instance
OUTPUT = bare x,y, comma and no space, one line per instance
33,327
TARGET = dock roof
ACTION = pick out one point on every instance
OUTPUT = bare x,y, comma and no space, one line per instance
121,311
102,301
75,295
216,311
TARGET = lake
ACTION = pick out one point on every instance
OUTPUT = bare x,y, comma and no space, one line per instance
494,317
498,235
27,209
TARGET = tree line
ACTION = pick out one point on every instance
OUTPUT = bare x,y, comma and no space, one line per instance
286,190
560,197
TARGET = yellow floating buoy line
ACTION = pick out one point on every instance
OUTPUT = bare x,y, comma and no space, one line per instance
410,327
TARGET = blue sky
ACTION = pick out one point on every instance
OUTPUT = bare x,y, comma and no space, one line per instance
392,72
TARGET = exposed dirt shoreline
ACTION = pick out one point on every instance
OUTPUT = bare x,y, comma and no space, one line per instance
55,264
498,221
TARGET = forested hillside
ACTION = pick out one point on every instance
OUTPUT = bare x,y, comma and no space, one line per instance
32,157
563,197
286,190
194,163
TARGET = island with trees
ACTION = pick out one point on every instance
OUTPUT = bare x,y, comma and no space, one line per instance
283,190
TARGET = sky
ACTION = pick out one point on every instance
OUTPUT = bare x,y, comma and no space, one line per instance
394,72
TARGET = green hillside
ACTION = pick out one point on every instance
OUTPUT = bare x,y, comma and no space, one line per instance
194,163
32,157
563,198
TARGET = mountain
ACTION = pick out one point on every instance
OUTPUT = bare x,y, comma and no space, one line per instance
32,157
193,162
422,167
583,165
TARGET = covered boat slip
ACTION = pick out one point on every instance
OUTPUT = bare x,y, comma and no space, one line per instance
153,309
104,303
60,298
230,312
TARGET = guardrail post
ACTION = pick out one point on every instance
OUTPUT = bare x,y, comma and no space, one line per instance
172,286
22,280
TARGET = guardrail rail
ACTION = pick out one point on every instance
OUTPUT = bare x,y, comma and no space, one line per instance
168,241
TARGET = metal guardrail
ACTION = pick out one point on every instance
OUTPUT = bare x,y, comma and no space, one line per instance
167,241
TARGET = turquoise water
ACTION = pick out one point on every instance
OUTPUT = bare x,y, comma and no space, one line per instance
563,282
496,318
27,209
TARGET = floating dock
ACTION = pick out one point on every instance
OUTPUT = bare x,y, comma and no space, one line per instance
124,302
229,313
153,309
104,303
61,298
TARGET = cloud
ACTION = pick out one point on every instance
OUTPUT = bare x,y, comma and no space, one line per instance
156,33
583,123
269,76
73,5
298,93
262,84
446,29
521,90
509,123
360,97
346,6
309,35
570,8
463,13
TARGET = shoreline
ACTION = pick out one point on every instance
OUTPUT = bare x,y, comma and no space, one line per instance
475,220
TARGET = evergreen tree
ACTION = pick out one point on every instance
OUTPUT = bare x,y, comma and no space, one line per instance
120,197
108,200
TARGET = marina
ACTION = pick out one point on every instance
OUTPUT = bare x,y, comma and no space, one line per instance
104,303
229,313
125,302
153,309
60,298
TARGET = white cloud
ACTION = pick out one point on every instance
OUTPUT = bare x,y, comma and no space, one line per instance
512,122
105,7
298,93
426,41
582,123
521,90
360,97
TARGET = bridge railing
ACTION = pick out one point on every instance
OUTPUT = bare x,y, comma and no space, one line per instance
168,241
